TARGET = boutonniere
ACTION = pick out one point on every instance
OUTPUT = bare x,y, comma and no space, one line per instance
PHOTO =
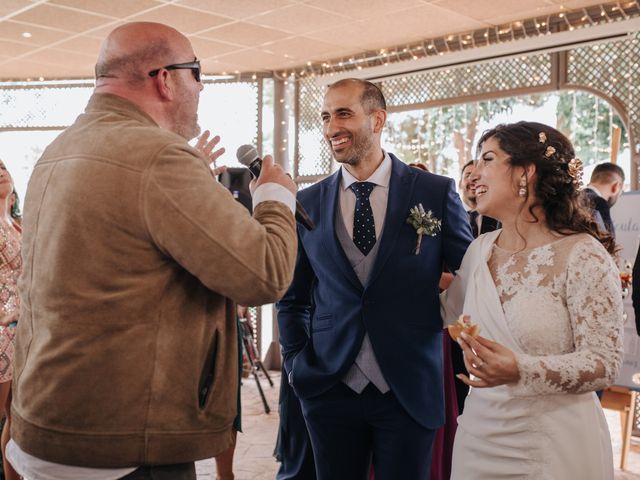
424,223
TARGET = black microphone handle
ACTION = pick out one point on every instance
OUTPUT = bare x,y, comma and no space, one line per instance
302,217
255,167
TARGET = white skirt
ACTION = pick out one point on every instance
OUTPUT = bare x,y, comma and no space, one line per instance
549,437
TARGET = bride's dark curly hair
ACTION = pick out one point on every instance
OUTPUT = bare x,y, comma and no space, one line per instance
556,190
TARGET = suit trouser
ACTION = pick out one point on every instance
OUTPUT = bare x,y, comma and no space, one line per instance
293,447
351,431
180,471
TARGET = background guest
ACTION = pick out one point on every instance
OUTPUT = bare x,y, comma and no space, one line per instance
479,223
443,442
467,186
602,193
293,445
10,268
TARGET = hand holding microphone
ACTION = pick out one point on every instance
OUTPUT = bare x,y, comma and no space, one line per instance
268,171
272,172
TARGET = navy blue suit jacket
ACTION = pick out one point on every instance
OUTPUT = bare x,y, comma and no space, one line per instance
325,313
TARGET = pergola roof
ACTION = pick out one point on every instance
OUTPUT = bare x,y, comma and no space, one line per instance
59,39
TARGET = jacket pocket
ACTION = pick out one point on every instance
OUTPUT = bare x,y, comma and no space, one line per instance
322,322
208,372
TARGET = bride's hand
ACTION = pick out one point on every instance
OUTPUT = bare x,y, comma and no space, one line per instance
492,363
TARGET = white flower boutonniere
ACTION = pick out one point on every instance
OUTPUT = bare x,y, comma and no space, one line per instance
424,223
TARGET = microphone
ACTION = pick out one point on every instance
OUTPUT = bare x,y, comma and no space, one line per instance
248,156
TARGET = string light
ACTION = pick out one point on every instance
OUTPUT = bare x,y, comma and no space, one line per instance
519,29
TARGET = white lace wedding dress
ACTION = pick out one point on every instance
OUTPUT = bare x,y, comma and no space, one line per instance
558,307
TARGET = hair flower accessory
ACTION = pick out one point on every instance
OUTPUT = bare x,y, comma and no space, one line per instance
575,170
542,138
424,223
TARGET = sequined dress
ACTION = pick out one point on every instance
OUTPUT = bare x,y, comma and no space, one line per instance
558,307
10,268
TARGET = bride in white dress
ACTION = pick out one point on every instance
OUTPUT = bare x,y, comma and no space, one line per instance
546,294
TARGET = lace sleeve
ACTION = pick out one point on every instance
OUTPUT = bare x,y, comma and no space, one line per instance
594,302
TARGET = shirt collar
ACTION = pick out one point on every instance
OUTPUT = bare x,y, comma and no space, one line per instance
380,177
598,192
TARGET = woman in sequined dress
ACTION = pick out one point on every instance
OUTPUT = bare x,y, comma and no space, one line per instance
10,268
546,294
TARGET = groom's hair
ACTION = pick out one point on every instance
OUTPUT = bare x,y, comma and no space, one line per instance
371,98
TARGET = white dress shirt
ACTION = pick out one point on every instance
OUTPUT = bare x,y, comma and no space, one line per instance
274,192
378,198
34,468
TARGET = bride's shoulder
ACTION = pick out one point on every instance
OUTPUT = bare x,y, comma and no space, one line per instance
488,238
483,243
583,246
586,241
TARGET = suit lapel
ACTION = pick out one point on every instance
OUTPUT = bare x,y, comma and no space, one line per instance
400,191
330,240
488,224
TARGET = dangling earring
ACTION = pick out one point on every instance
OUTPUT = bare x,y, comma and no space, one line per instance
522,191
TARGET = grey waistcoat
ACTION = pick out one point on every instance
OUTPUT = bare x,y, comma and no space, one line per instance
366,368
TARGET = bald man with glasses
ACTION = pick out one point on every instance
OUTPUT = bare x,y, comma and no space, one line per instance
126,360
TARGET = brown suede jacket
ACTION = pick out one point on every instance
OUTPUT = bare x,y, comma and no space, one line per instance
133,255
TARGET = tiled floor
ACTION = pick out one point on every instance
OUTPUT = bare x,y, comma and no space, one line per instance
254,451
254,459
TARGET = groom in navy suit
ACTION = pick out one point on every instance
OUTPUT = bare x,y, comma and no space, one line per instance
360,326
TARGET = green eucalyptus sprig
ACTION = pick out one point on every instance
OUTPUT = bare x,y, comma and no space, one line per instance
424,223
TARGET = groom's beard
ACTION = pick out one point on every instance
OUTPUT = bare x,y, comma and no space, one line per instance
362,141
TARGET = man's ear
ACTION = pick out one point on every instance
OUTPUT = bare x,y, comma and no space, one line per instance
616,187
379,119
164,85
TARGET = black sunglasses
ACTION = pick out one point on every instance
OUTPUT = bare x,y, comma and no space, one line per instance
193,66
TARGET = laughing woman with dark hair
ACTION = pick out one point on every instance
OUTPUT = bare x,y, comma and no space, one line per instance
546,294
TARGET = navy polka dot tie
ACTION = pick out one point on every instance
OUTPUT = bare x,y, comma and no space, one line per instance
364,228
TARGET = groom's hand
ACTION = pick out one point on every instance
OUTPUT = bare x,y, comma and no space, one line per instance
492,363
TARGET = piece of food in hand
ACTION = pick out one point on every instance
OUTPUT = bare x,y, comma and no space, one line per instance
463,324
626,277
